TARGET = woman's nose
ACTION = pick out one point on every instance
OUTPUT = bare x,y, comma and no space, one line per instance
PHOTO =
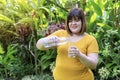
73,22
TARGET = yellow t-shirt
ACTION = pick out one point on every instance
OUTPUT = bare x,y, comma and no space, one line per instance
71,68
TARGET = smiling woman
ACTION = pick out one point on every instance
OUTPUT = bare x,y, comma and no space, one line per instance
76,17
74,61
75,26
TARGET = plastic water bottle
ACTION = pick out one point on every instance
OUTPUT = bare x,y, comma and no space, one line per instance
63,40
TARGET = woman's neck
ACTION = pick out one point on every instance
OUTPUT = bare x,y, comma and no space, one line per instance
76,35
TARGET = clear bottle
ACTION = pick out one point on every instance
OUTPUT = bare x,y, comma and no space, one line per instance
63,40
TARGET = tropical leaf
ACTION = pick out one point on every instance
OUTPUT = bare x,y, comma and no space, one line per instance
46,64
3,2
93,18
13,12
32,4
11,50
6,19
97,9
23,6
45,9
1,49
41,2
105,26
24,20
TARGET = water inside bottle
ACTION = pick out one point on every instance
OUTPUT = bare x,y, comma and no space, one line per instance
63,40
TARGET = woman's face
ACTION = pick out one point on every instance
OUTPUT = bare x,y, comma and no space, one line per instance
75,25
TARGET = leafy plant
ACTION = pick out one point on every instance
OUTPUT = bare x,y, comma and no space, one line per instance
23,22
7,61
109,53
38,77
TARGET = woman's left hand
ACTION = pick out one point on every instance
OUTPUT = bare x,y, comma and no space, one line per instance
73,52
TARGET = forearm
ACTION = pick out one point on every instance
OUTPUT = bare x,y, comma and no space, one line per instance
46,43
89,61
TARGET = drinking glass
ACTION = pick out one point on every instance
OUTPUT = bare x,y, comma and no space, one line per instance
71,45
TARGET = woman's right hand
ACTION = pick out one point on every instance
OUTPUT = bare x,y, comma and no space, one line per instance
51,41
47,42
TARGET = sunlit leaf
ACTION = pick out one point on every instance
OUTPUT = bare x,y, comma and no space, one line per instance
3,2
46,64
23,20
6,19
97,8
44,8
23,5
41,2
11,50
32,4
93,18
100,24
104,25
1,49
15,13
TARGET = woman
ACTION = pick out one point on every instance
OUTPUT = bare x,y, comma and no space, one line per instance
74,61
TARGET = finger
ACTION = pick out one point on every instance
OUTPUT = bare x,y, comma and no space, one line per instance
50,39
73,47
53,39
73,56
56,39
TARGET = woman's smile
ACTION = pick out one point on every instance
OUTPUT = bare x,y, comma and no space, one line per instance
75,26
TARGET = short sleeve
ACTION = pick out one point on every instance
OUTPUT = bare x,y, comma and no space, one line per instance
58,33
93,47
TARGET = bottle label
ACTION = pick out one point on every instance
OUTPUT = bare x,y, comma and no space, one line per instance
62,41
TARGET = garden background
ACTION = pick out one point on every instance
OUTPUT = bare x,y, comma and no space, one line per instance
23,22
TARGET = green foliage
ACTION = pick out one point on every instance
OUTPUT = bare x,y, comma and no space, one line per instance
97,8
108,40
1,49
38,77
47,58
6,19
104,73
22,23
7,61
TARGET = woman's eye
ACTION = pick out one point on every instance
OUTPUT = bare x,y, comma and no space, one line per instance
77,20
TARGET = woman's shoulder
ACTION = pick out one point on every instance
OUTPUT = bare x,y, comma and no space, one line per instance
90,37
60,32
